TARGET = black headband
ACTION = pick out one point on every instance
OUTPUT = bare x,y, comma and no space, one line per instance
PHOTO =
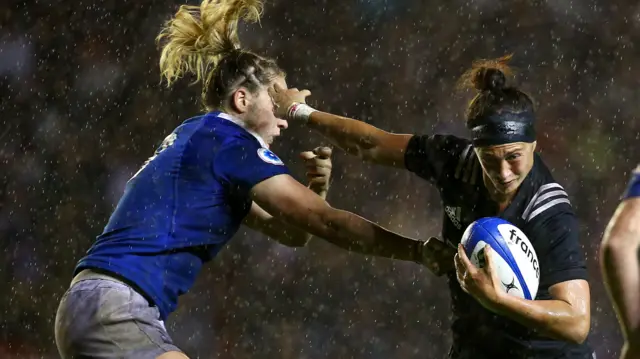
499,129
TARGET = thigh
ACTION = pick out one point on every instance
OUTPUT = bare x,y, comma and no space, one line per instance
99,318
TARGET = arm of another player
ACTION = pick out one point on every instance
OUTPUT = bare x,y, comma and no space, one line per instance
619,261
354,137
288,200
318,163
293,203
263,175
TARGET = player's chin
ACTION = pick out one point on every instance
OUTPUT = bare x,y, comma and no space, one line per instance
507,187
272,138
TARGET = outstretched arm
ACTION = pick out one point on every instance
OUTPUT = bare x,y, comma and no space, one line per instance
293,213
354,137
290,201
433,253
361,139
266,179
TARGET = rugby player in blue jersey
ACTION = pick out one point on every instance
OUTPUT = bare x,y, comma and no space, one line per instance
620,258
210,175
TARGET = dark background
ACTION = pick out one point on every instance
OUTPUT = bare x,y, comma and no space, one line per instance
81,108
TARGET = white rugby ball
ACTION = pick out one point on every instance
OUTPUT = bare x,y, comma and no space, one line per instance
514,257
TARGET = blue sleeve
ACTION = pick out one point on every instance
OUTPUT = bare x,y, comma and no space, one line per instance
243,165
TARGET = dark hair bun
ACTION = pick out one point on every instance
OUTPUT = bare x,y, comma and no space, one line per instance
489,79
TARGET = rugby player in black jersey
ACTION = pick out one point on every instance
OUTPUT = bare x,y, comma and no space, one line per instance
495,173
620,258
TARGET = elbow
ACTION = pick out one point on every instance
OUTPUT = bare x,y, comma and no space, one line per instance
620,238
368,152
615,248
614,243
579,337
367,148
608,252
363,152
579,330
373,153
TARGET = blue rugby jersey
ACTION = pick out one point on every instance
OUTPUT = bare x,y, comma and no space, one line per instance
182,206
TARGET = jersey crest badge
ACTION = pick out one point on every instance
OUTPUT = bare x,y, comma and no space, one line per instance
269,157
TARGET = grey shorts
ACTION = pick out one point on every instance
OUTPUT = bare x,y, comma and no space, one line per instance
102,317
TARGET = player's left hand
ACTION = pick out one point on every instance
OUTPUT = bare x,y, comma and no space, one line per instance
481,283
318,163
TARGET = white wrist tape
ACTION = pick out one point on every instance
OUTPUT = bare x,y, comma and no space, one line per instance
300,112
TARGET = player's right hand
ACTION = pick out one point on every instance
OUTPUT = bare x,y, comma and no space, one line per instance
283,99
438,256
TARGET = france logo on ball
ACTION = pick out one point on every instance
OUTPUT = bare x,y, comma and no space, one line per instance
514,259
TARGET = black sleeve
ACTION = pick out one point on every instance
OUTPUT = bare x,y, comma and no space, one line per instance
558,249
430,156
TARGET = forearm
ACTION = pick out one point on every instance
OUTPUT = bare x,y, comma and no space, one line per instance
621,272
293,203
301,236
356,234
289,234
353,136
554,318
276,228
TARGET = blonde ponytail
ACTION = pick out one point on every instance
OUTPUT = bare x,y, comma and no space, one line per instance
198,37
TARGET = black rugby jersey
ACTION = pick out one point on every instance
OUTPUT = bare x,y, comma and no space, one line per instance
541,209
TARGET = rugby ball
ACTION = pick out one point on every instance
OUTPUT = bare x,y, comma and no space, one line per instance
514,257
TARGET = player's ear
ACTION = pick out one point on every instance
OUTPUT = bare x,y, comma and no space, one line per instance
534,144
240,100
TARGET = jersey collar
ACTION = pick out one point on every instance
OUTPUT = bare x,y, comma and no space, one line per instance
238,122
